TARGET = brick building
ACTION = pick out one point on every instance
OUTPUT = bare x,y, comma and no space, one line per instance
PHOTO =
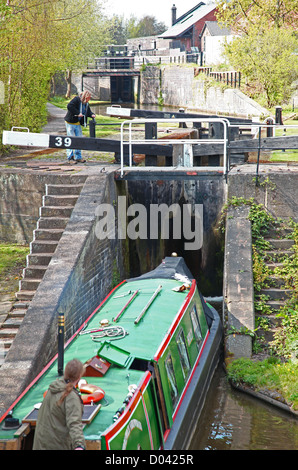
186,31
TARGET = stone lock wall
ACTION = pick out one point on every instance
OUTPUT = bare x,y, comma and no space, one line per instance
79,276
177,86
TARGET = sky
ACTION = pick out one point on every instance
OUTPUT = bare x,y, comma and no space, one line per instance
161,9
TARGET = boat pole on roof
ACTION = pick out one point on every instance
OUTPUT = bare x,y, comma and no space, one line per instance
60,343
125,306
138,319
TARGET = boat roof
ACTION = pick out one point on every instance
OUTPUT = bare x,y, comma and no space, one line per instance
142,340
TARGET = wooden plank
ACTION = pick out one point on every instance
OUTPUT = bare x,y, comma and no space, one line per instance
141,113
12,444
107,145
269,143
169,173
248,145
27,139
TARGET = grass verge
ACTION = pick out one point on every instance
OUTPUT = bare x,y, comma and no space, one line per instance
269,375
12,262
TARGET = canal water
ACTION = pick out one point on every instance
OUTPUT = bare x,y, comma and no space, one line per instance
232,420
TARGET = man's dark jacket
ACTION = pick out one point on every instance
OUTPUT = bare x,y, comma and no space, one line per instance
74,108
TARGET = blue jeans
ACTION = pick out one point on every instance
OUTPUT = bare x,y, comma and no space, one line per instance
74,130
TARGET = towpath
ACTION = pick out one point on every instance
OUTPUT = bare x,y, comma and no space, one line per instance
29,157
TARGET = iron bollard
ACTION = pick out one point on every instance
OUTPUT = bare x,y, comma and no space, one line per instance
60,343
92,124
278,115
269,122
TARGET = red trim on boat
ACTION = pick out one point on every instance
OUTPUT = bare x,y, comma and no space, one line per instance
176,322
122,421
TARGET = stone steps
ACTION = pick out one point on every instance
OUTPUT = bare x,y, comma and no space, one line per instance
281,243
34,271
25,295
275,293
38,259
58,204
48,234
271,266
29,284
60,201
64,189
276,281
277,255
281,249
43,246
56,211
52,223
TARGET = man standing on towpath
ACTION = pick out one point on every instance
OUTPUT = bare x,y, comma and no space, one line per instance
78,111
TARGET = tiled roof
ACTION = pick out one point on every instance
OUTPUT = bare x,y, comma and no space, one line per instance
187,20
215,29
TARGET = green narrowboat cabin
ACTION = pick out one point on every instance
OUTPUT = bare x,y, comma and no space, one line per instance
150,348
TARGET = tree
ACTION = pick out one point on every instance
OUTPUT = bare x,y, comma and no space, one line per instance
121,29
268,59
117,27
146,26
38,38
83,39
265,48
241,15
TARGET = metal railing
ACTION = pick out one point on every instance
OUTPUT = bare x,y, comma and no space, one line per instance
134,62
256,127
270,133
186,142
114,63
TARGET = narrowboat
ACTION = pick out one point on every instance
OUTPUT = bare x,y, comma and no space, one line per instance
150,350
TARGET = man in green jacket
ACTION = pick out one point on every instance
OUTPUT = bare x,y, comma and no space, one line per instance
59,421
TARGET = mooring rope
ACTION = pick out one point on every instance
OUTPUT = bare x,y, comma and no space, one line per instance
111,332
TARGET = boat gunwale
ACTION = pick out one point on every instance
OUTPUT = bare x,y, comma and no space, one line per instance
214,336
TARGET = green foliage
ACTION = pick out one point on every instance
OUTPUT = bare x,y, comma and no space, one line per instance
260,271
146,26
243,14
267,60
122,29
38,39
11,255
265,50
270,374
286,336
